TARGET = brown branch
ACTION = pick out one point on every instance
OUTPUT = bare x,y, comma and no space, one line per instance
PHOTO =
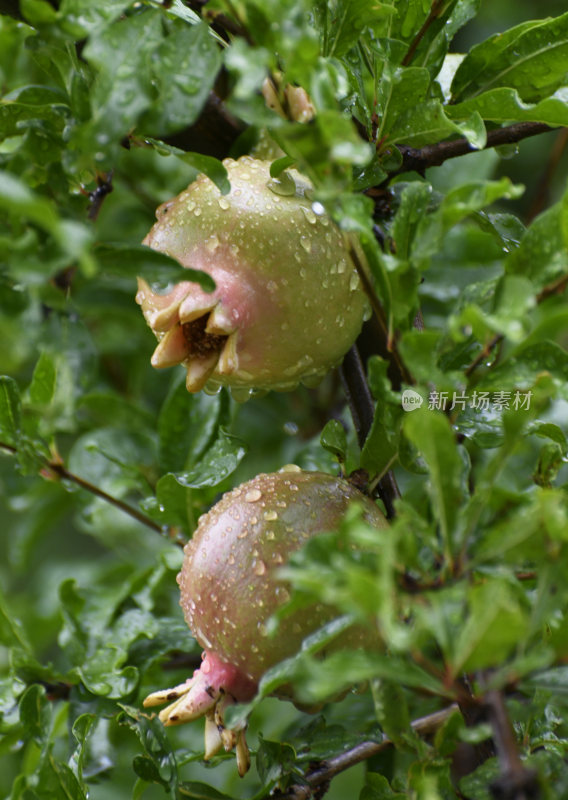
515,782
327,770
432,16
54,470
483,354
392,353
433,155
362,410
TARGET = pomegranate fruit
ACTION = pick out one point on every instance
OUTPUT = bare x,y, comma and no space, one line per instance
230,588
288,302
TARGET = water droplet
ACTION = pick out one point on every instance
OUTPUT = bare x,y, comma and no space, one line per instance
191,205
309,215
259,567
271,515
270,535
224,203
231,559
354,281
341,266
197,212
306,243
318,208
253,495
283,185
212,243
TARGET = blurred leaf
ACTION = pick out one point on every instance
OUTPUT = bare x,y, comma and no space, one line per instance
35,713
200,791
10,410
208,165
42,386
494,627
132,261
542,253
377,787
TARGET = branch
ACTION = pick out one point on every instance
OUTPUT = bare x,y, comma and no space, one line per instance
515,782
362,410
433,155
327,770
54,470
435,10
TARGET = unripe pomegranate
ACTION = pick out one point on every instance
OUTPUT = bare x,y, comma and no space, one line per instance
288,302
230,588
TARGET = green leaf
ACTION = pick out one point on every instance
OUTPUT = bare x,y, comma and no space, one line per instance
17,198
531,58
132,261
334,439
201,791
11,629
347,19
42,387
220,461
456,206
377,787
505,105
35,713
274,760
185,67
494,626
391,710
208,165
187,425
542,254
431,433
147,769
121,55
10,410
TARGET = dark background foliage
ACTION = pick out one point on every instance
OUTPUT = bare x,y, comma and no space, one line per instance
107,110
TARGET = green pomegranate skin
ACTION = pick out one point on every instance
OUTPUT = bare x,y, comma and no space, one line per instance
228,584
288,301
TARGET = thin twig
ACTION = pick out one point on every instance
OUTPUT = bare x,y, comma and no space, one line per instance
432,16
483,354
362,410
54,469
433,155
378,311
325,771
